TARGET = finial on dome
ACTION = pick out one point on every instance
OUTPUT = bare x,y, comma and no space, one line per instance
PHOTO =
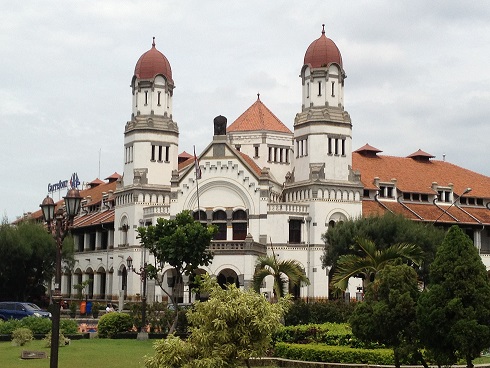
258,96
323,29
153,44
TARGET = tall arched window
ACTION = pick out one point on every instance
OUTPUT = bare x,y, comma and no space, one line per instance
239,225
219,219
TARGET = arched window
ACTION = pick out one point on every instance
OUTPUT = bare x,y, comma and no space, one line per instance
219,219
239,225
124,231
200,216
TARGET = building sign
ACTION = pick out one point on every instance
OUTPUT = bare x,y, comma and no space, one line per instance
73,183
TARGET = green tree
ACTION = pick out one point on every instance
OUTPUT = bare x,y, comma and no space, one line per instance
181,243
228,329
384,231
454,311
284,272
388,314
371,261
27,262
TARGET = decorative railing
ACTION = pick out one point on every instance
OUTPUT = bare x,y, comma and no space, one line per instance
293,208
237,246
156,211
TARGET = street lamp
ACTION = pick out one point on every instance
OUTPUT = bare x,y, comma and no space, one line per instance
58,225
466,191
143,334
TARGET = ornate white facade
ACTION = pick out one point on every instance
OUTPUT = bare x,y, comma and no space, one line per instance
267,188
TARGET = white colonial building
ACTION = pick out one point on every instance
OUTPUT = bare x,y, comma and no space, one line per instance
267,188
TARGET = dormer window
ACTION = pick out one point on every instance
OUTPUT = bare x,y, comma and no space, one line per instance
386,191
444,195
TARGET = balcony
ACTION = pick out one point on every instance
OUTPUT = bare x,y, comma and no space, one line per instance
237,247
156,211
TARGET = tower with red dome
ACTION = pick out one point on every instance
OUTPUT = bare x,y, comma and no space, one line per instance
323,129
151,140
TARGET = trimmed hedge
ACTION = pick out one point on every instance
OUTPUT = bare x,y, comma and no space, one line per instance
68,326
338,354
335,311
334,334
38,326
337,334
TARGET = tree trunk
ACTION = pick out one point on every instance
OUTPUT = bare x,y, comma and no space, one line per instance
469,362
396,356
247,363
420,357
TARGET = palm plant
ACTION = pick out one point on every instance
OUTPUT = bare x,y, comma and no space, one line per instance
283,272
372,261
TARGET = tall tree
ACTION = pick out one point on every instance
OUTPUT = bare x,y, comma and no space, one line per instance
284,272
454,311
181,243
371,260
27,262
384,231
228,329
388,314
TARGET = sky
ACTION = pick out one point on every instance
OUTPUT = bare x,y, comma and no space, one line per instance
418,77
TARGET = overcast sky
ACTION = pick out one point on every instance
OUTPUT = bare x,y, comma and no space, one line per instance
418,76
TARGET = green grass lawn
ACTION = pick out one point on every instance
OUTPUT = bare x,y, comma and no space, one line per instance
105,353
82,354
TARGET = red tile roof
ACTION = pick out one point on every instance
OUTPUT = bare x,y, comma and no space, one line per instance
417,176
113,177
95,194
428,212
258,117
253,165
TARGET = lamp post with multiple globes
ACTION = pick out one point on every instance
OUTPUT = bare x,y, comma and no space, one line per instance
143,334
59,224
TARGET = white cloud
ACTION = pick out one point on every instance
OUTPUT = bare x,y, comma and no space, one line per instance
417,76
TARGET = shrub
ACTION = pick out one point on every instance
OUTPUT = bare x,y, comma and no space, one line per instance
7,327
338,354
159,317
111,324
73,309
302,313
36,325
333,334
68,326
63,341
21,336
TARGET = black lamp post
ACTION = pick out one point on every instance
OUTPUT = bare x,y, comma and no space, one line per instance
466,191
58,225
143,275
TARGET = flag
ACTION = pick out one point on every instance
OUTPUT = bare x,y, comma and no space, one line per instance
196,164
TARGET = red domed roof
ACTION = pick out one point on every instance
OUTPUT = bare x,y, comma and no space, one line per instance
152,63
322,52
